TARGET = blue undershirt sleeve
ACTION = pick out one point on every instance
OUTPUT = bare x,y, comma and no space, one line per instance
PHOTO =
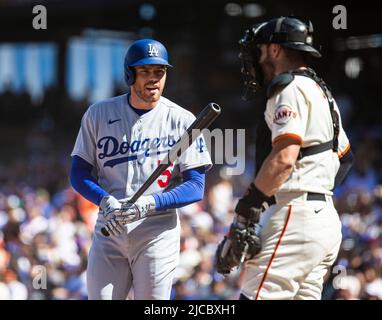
189,191
83,181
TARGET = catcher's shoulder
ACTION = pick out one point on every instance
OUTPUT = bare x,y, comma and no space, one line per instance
278,83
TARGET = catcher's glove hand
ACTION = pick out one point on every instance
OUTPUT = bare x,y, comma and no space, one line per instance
240,244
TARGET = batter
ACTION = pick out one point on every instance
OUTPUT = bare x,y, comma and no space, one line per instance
120,143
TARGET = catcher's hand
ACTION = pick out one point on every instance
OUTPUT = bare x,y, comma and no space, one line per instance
240,244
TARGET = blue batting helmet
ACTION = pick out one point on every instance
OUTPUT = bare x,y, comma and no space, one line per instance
142,52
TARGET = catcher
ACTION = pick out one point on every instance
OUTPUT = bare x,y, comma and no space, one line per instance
286,228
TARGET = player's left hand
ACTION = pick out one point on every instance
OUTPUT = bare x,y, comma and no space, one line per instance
131,212
113,227
240,244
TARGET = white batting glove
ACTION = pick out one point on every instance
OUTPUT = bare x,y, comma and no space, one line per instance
131,212
113,227
108,206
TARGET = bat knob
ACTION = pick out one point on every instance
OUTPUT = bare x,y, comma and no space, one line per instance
105,232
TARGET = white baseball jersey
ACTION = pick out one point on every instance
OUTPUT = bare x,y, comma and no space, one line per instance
301,111
124,149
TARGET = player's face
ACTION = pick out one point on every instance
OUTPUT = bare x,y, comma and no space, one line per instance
149,84
266,61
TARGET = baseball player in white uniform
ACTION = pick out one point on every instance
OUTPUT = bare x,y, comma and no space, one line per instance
287,217
120,143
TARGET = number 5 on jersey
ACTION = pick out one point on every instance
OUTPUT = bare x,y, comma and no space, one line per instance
163,182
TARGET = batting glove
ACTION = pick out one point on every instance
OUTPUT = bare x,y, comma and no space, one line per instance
113,227
108,206
131,212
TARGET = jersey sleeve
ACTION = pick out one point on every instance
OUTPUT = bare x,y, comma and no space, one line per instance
197,154
85,145
287,114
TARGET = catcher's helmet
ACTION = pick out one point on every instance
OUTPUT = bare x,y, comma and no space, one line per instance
142,52
289,32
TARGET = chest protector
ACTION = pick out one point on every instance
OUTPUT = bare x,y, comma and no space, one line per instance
264,135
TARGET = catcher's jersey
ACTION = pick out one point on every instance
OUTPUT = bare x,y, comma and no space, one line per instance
301,110
125,148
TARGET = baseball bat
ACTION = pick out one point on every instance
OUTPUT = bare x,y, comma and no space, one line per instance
203,121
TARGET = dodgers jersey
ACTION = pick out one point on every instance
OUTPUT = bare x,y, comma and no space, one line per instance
301,110
125,148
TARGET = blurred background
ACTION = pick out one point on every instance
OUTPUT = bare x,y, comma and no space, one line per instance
48,78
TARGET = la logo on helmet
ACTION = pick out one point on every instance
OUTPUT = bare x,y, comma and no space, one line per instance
152,51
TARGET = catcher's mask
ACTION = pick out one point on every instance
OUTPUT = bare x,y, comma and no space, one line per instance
287,31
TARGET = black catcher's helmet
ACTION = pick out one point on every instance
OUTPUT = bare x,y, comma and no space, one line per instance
290,32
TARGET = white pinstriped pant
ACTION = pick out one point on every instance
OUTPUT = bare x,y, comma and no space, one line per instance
300,241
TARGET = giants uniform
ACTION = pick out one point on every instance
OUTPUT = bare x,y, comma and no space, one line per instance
124,149
300,231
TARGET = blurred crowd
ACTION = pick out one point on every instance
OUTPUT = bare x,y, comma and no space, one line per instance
46,227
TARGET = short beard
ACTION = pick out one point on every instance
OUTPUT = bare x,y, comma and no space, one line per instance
141,96
268,71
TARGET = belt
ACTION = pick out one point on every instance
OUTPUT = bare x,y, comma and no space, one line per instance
312,196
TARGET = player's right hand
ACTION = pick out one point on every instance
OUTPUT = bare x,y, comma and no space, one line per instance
108,206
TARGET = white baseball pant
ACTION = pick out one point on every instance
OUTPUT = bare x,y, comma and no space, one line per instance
300,242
